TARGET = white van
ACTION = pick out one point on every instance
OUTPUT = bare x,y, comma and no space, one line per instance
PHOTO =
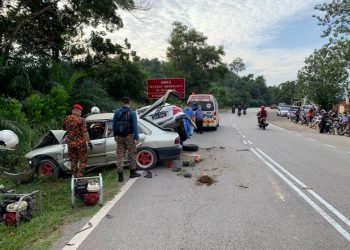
209,106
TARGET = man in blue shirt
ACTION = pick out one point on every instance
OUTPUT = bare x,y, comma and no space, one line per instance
199,119
126,136
189,112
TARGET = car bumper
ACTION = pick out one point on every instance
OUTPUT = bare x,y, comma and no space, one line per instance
169,153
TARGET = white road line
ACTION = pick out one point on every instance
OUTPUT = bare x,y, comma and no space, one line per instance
244,136
283,169
319,210
75,242
311,139
330,207
244,142
313,193
250,142
331,146
278,127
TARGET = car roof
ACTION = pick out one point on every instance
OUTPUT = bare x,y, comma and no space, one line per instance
98,117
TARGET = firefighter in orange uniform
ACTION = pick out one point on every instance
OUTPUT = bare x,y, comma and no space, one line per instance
77,139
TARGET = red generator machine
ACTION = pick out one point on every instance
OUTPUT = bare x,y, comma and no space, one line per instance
87,189
16,208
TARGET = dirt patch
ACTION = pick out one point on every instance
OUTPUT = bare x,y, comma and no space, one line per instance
205,179
285,123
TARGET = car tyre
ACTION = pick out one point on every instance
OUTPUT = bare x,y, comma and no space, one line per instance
146,158
48,167
190,147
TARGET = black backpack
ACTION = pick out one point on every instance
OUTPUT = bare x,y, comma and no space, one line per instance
122,127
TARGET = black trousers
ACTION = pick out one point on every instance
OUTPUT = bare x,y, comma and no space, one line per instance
199,125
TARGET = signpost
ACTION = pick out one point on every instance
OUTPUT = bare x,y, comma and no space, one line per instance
156,88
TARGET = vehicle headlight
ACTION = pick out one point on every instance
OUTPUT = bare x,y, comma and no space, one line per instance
30,162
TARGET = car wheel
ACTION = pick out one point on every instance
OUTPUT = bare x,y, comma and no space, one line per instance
146,158
48,168
190,147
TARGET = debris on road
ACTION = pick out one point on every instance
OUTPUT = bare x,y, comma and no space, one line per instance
176,169
245,149
170,164
222,147
243,186
149,174
190,157
186,163
210,148
187,175
205,179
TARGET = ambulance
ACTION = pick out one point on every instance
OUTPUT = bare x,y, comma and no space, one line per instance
209,106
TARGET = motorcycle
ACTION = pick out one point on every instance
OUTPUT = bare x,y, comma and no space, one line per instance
244,112
239,113
233,110
262,123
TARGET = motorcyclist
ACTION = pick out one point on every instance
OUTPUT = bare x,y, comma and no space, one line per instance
297,115
262,115
244,109
239,109
323,121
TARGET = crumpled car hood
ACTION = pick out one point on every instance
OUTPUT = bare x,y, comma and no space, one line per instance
53,137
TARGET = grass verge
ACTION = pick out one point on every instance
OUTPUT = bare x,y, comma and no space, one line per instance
42,231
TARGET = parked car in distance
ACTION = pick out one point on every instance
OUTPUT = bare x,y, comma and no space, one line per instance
291,111
280,105
306,108
283,111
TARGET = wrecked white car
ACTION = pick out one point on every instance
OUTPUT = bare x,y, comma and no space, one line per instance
157,143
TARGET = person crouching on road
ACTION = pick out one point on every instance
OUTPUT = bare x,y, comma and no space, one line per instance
77,137
126,136
199,119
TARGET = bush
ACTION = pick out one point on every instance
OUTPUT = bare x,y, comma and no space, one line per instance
89,93
11,109
55,106
12,118
33,106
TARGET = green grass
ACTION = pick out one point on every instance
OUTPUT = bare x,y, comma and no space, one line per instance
42,231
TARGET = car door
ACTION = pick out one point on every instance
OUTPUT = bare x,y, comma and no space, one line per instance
111,145
97,133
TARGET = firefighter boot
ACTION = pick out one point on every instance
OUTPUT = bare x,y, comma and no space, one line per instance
120,177
134,174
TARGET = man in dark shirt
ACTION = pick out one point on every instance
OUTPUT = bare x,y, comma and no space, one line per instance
127,143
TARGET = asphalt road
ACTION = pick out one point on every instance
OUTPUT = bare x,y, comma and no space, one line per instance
275,189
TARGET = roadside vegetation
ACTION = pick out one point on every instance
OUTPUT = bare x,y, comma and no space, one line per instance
42,231
49,61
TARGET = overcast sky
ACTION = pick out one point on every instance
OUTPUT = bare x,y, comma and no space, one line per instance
273,37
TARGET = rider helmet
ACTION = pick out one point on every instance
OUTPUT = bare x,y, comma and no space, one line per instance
95,110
